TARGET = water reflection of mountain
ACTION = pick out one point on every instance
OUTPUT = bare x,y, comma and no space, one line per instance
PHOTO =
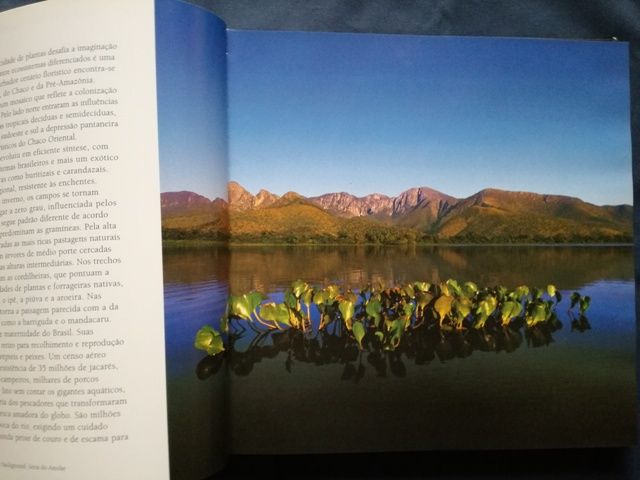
196,265
271,268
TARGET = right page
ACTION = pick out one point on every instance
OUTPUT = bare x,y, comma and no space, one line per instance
430,243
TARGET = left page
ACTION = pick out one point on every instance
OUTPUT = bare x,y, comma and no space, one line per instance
82,367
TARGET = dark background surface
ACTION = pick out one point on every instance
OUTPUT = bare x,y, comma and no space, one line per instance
579,19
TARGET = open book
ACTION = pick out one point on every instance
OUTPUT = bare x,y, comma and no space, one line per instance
218,242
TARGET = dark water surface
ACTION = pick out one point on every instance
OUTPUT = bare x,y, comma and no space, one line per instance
195,284
295,394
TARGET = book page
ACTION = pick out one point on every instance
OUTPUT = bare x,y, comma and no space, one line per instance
82,364
431,243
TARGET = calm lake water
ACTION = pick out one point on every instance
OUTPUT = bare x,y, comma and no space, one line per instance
295,394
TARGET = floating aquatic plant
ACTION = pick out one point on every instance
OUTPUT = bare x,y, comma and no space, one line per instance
386,315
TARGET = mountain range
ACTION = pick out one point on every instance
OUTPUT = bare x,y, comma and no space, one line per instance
189,215
417,214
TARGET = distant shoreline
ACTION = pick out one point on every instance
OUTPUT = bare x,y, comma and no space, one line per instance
179,244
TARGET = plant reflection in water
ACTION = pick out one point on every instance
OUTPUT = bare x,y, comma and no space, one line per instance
382,327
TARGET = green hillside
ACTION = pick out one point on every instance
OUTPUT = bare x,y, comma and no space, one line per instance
489,216
494,215
302,222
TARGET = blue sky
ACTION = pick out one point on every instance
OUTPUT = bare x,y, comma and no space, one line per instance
319,113
192,109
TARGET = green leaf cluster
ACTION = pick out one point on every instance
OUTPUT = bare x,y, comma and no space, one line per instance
209,340
376,313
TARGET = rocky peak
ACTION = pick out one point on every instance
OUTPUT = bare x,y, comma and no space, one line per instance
172,203
239,198
291,197
265,198
182,199
184,203
421,196
349,205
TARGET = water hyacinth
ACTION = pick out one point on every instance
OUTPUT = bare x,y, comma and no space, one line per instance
209,340
387,314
